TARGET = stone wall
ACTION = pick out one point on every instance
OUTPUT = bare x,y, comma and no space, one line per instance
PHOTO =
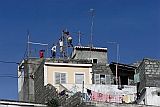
103,69
51,92
30,66
149,73
39,84
101,104
101,56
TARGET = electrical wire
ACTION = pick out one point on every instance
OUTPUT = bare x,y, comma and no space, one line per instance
15,76
8,62
97,42
25,53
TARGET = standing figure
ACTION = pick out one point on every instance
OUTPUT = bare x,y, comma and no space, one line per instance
69,38
53,51
41,53
61,45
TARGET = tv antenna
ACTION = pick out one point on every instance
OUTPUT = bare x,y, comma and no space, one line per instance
91,12
79,37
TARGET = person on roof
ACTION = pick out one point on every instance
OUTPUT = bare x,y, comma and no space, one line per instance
61,45
69,38
53,50
41,53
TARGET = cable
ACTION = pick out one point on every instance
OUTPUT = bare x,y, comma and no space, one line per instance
9,62
25,52
15,76
9,76
97,42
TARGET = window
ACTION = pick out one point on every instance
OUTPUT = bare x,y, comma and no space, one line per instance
60,78
79,78
102,79
94,61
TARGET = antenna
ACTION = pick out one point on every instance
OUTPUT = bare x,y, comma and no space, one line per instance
28,44
79,38
91,11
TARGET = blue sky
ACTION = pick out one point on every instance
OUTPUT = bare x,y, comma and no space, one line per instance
134,24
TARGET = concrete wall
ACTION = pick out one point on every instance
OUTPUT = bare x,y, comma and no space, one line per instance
101,104
26,91
101,56
149,73
20,86
150,96
105,89
39,84
103,69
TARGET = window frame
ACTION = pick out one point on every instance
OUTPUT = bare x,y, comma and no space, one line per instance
78,73
66,81
97,77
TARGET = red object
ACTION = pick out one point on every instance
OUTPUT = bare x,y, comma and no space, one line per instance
41,54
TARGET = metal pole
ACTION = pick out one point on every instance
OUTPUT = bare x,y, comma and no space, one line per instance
117,62
91,45
117,46
47,51
79,39
82,91
28,44
92,10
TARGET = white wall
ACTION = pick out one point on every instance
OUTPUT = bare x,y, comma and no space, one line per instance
105,89
152,97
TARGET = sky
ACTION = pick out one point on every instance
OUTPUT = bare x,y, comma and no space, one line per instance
133,24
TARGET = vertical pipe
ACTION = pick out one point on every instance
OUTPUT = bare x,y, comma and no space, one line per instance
82,91
116,73
47,51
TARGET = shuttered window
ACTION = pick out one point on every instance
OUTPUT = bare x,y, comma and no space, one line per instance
60,78
79,78
102,79
96,78
108,79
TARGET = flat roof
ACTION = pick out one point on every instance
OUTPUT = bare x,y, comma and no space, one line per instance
68,64
90,48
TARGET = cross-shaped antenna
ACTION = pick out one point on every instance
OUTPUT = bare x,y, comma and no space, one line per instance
79,38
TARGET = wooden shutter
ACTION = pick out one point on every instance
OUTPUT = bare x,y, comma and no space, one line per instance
108,79
96,78
63,78
57,78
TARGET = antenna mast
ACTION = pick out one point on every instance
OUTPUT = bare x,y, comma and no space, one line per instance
28,44
92,14
92,10
79,38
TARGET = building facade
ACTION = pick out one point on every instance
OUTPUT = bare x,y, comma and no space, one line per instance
35,73
148,84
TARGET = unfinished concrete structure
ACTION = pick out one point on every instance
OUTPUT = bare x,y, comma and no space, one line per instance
97,55
32,77
125,73
148,84
31,71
